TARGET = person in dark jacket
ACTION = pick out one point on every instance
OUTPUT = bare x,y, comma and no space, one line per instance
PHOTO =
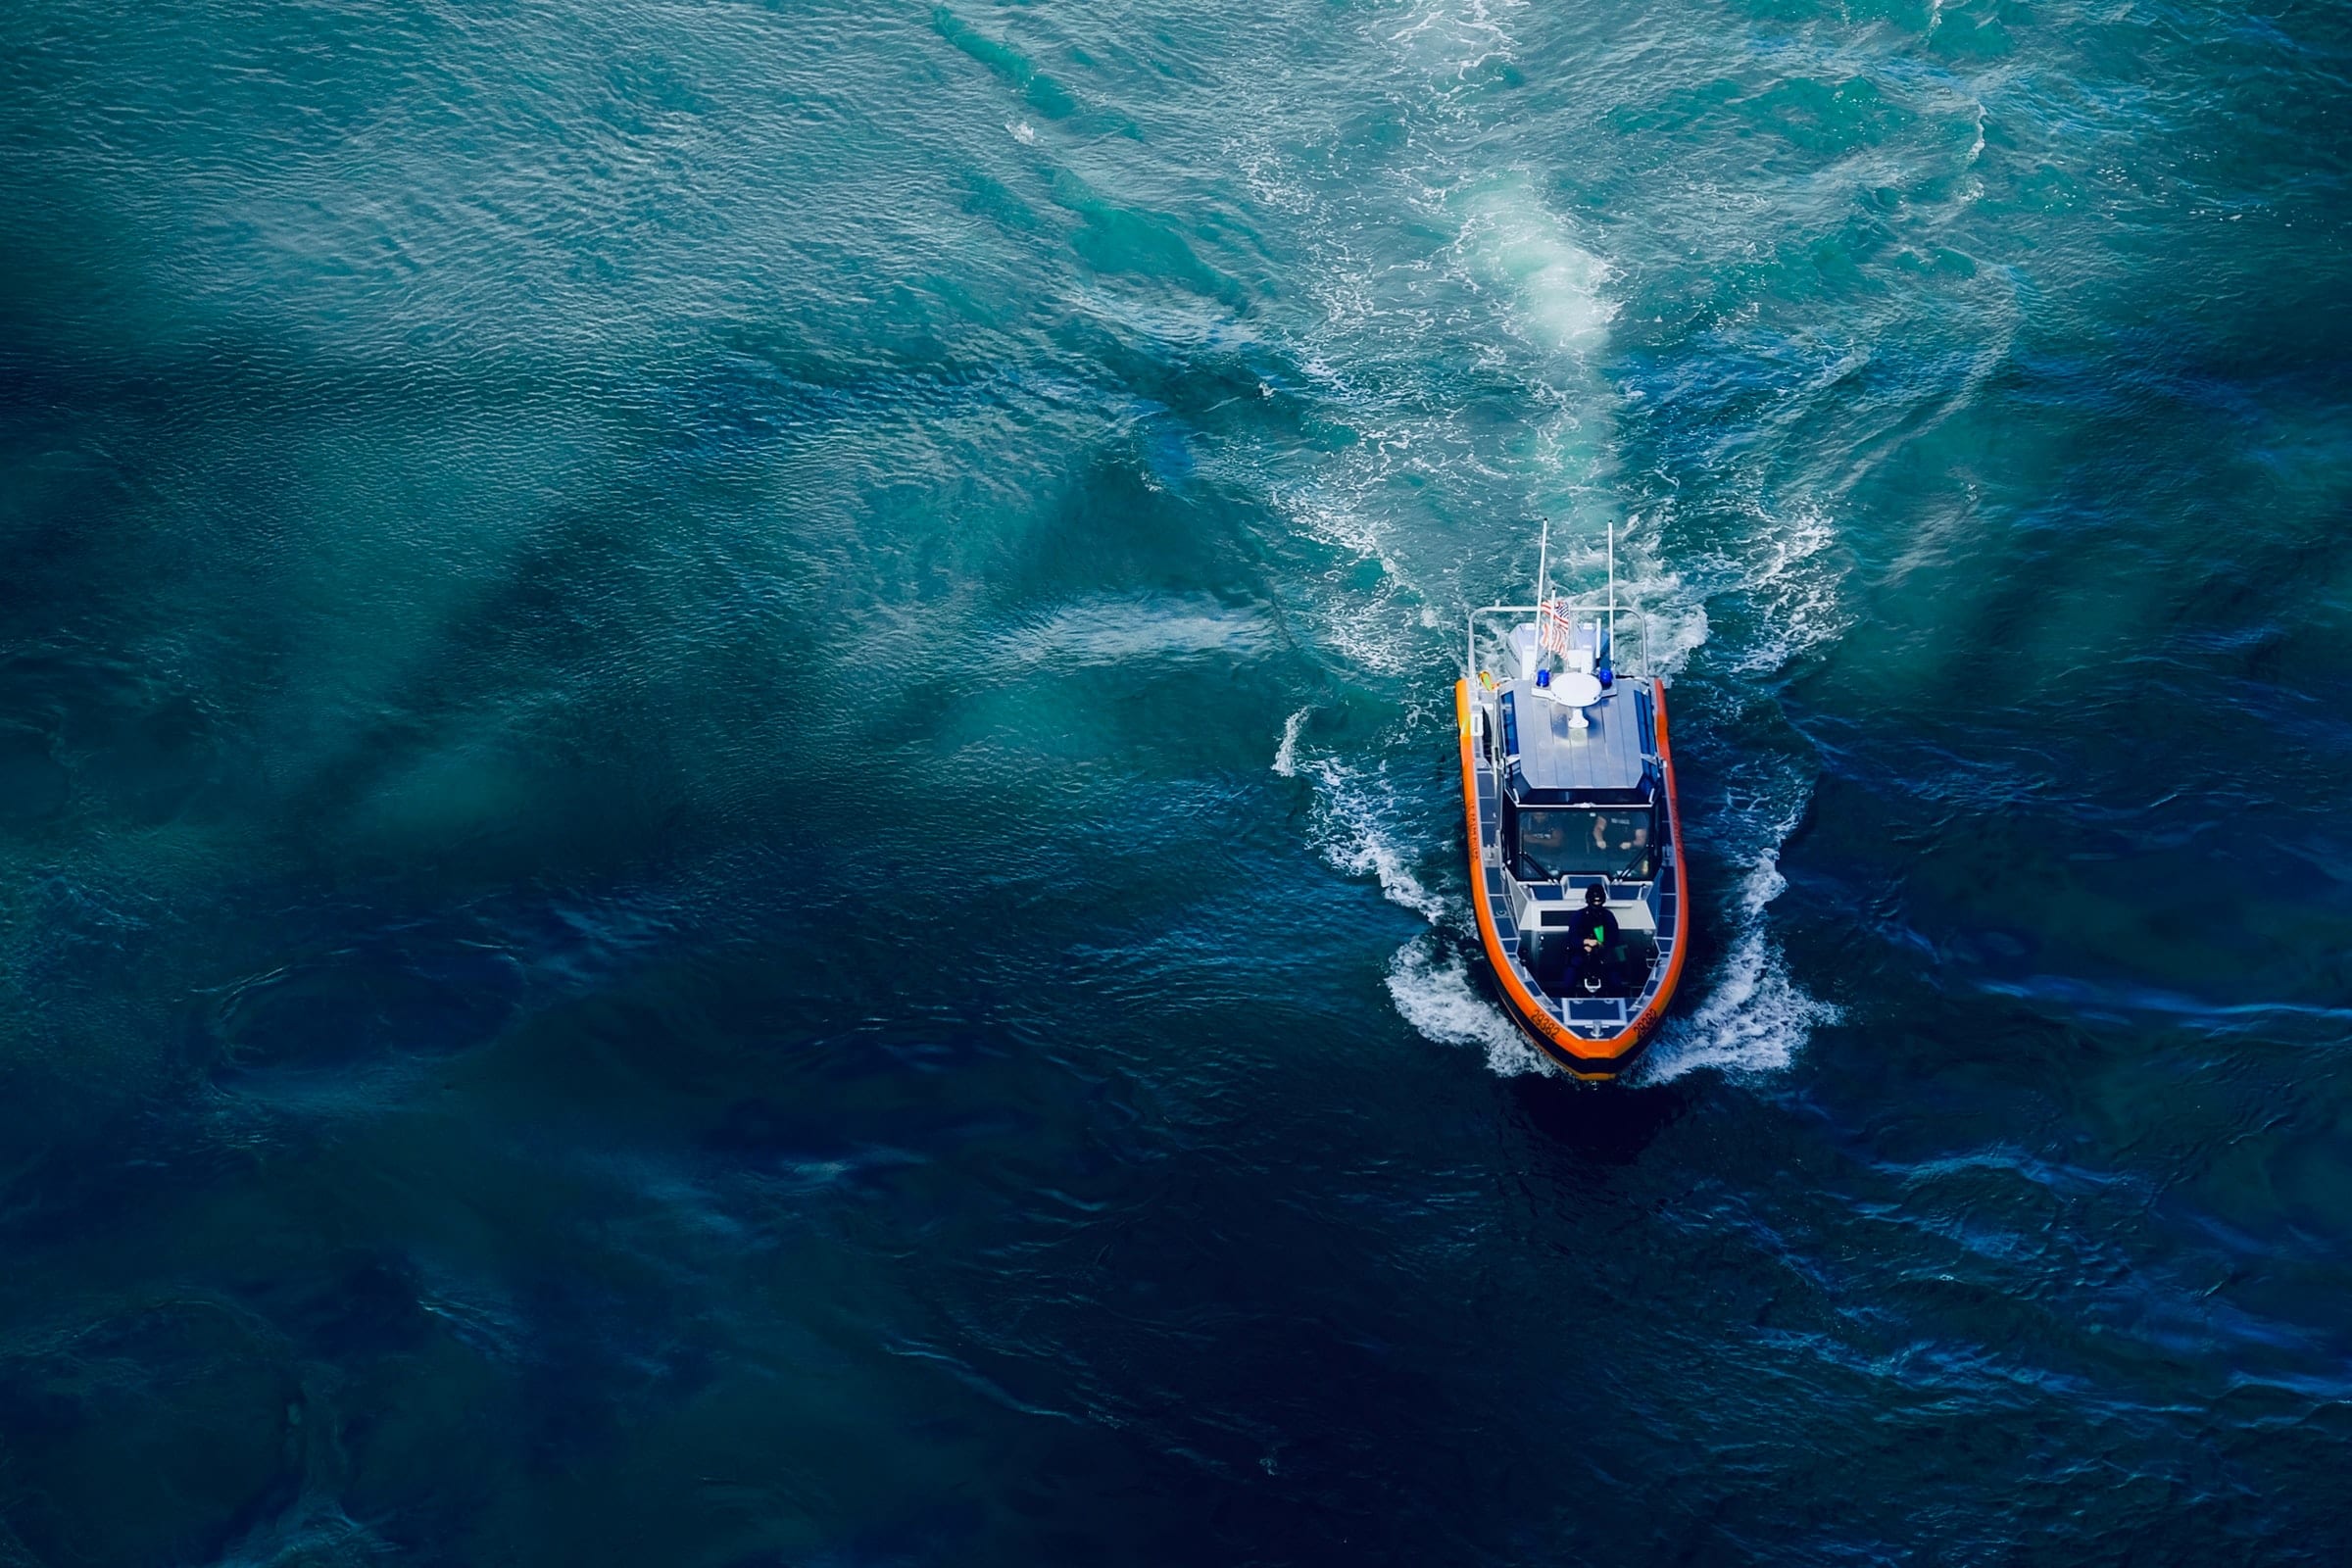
1591,936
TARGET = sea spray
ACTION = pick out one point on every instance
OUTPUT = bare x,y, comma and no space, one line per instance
1433,993
1755,1019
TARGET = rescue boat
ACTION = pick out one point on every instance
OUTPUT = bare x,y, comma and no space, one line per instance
1567,786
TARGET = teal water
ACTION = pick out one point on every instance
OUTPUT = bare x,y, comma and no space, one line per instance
728,818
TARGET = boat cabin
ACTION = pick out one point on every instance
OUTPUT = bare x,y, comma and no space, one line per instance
1578,801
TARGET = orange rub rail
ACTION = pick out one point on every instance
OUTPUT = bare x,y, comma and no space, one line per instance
1585,1058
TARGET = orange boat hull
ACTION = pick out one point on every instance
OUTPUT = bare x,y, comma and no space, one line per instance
1595,1061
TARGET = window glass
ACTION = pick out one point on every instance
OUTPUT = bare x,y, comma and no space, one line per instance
1555,841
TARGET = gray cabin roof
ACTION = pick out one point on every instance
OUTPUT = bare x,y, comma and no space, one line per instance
1602,762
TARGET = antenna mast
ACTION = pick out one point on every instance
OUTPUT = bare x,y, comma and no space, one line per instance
1612,592
1543,564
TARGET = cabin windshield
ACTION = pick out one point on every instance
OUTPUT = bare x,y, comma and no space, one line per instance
1557,841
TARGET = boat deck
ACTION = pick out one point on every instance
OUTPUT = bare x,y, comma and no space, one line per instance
1590,1018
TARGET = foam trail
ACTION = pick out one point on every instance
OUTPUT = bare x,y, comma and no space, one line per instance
1453,41
1510,242
1795,596
1516,243
1286,754
1433,993
1756,1018
1516,278
1509,248
1352,834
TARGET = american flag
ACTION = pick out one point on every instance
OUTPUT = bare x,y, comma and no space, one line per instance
1556,630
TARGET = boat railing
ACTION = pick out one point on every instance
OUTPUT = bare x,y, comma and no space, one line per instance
1628,633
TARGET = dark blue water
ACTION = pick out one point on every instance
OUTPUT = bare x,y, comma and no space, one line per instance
728,829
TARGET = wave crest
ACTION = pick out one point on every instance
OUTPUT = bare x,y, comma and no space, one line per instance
1433,993
1756,1018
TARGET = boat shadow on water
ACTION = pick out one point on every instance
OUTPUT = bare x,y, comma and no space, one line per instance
1606,1126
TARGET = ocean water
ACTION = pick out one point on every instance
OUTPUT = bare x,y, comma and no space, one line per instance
728,831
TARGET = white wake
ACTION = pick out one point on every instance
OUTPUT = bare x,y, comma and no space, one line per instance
1756,1018
1517,278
